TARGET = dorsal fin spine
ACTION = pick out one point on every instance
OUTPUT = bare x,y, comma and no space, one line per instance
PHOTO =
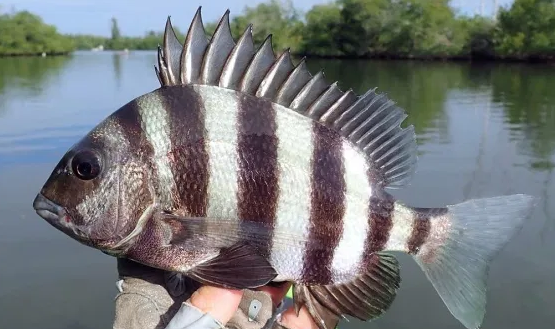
158,75
296,80
325,101
217,53
309,93
164,76
367,137
172,44
276,76
238,60
371,122
368,114
359,104
377,119
258,67
338,107
193,51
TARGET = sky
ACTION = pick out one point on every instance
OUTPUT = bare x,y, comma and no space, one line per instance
135,17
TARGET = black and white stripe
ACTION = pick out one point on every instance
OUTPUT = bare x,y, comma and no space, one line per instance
189,158
240,157
381,205
127,121
221,133
257,149
347,256
155,124
327,205
101,196
295,152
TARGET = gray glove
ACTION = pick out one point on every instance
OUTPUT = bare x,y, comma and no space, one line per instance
255,311
153,299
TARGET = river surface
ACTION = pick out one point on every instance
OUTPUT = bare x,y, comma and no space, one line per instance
483,130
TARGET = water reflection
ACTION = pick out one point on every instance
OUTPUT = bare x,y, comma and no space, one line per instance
49,103
27,75
529,104
422,90
116,61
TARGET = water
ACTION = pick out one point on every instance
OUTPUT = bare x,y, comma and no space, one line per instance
483,130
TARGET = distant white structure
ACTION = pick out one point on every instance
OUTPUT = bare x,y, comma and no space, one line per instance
481,10
98,48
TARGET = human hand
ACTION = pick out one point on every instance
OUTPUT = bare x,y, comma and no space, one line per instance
231,307
154,299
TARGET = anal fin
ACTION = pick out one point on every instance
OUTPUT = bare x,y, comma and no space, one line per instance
366,297
237,267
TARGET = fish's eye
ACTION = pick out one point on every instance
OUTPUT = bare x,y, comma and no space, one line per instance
86,165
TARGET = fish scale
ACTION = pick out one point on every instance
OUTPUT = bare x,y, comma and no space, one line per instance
154,122
252,170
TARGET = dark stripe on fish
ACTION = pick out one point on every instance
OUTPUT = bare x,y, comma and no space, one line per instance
128,120
420,231
188,156
421,227
381,205
327,208
257,151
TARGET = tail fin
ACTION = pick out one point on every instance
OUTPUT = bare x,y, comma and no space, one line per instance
458,268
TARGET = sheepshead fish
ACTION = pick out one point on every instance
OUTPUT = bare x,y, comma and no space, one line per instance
244,169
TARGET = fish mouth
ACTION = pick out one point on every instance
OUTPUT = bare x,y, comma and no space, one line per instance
47,209
58,217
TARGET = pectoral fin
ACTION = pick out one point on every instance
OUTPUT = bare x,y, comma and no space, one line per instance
238,265
366,297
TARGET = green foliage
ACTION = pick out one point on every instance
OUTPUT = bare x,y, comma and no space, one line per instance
23,33
322,26
526,29
341,28
401,28
278,18
116,34
478,37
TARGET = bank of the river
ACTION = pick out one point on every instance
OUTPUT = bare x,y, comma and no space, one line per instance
340,29
25,34
430,58
38,54
391,57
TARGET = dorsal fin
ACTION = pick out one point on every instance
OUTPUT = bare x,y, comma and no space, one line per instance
372,122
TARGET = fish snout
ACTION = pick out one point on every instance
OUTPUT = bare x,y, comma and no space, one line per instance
47,209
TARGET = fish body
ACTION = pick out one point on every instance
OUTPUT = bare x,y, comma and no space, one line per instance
243,169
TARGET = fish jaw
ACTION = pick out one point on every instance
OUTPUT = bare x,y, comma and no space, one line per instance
58,217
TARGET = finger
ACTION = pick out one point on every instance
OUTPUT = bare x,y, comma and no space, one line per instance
290,320
276,292
218,302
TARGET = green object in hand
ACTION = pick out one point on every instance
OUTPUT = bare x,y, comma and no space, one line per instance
290,295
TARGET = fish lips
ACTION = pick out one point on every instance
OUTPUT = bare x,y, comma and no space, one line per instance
48,210
56,215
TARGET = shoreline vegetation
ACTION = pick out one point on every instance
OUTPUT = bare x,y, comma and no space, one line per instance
340,29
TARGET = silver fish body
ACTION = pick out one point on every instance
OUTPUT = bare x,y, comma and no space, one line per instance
244,169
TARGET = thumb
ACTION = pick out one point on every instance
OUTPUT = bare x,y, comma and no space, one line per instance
220,303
